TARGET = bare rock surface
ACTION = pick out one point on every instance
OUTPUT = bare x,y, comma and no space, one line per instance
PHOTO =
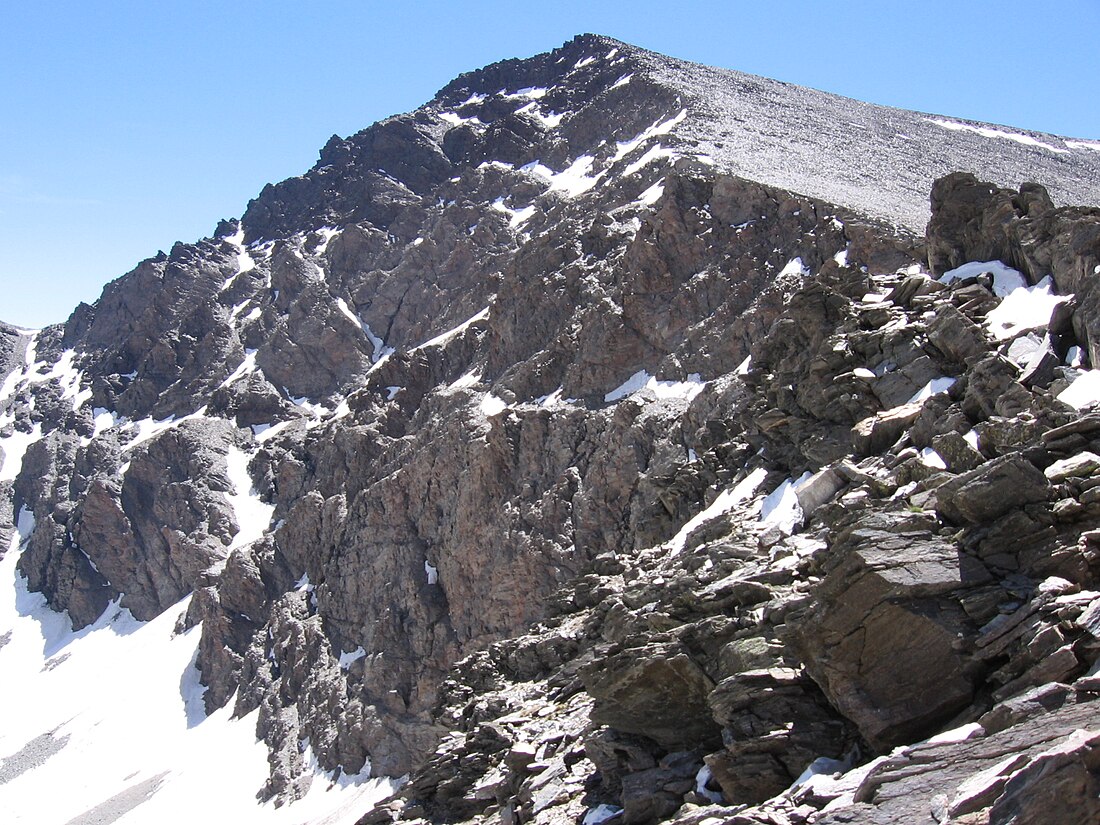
550,449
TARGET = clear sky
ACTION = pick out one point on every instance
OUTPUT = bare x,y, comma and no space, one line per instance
126,125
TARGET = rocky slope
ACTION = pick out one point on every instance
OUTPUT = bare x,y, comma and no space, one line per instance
597,440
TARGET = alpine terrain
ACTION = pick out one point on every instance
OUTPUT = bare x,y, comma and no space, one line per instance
610,440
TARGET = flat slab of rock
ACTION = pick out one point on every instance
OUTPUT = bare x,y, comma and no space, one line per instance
1081,465
991,490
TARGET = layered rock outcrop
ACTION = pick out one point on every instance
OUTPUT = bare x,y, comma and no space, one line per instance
524,447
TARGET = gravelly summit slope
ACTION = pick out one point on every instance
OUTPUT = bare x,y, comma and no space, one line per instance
876,159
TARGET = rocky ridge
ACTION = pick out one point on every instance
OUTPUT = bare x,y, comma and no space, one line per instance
461,443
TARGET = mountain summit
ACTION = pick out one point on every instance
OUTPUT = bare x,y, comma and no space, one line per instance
610,437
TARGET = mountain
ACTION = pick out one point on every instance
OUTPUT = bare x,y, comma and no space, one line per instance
611,437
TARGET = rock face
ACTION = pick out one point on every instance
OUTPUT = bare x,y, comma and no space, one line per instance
548,448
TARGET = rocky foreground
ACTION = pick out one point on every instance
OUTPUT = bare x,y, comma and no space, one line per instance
527,448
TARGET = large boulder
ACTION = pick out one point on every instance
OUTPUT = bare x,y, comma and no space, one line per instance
991,490
882,635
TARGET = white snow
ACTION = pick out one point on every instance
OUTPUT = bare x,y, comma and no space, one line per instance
642,380
1084,390
102,420
1026,140
15,447
491,405
244,258
654,153
622,81
132,742
472,100
63,371
458,120
933,387
554,400
431,572
1024,308
959,734
723,503
252,515
701,779
841,257
515,216
549,121
444,337
781,509
794,268
265,432
346,659
464,381
530,93
600,814
1075,356
380,349
822,766
745,366
1005,278
930,458
1083,144
248,365
653,194
584,61
148,428
971,438
663,127
573,180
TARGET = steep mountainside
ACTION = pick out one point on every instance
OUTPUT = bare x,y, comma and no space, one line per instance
598,440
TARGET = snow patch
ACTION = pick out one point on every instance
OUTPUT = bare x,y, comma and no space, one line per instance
444,337
529,93
725,501
458,120
1026,140
491,405
573,181
1024,308
548,121
600,814
346,659
781,509
930,458
933,387
622,81
1083,144
653,194
380,349
642,380
147,428
1083,392
1005,278
252,515
625,147
515,216
14,447
247,366
654,153
431,573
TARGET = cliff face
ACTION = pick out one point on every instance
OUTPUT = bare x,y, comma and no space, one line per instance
460,444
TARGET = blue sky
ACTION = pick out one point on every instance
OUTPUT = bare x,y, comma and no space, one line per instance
125,126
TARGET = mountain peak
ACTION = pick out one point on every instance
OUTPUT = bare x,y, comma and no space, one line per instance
599,440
